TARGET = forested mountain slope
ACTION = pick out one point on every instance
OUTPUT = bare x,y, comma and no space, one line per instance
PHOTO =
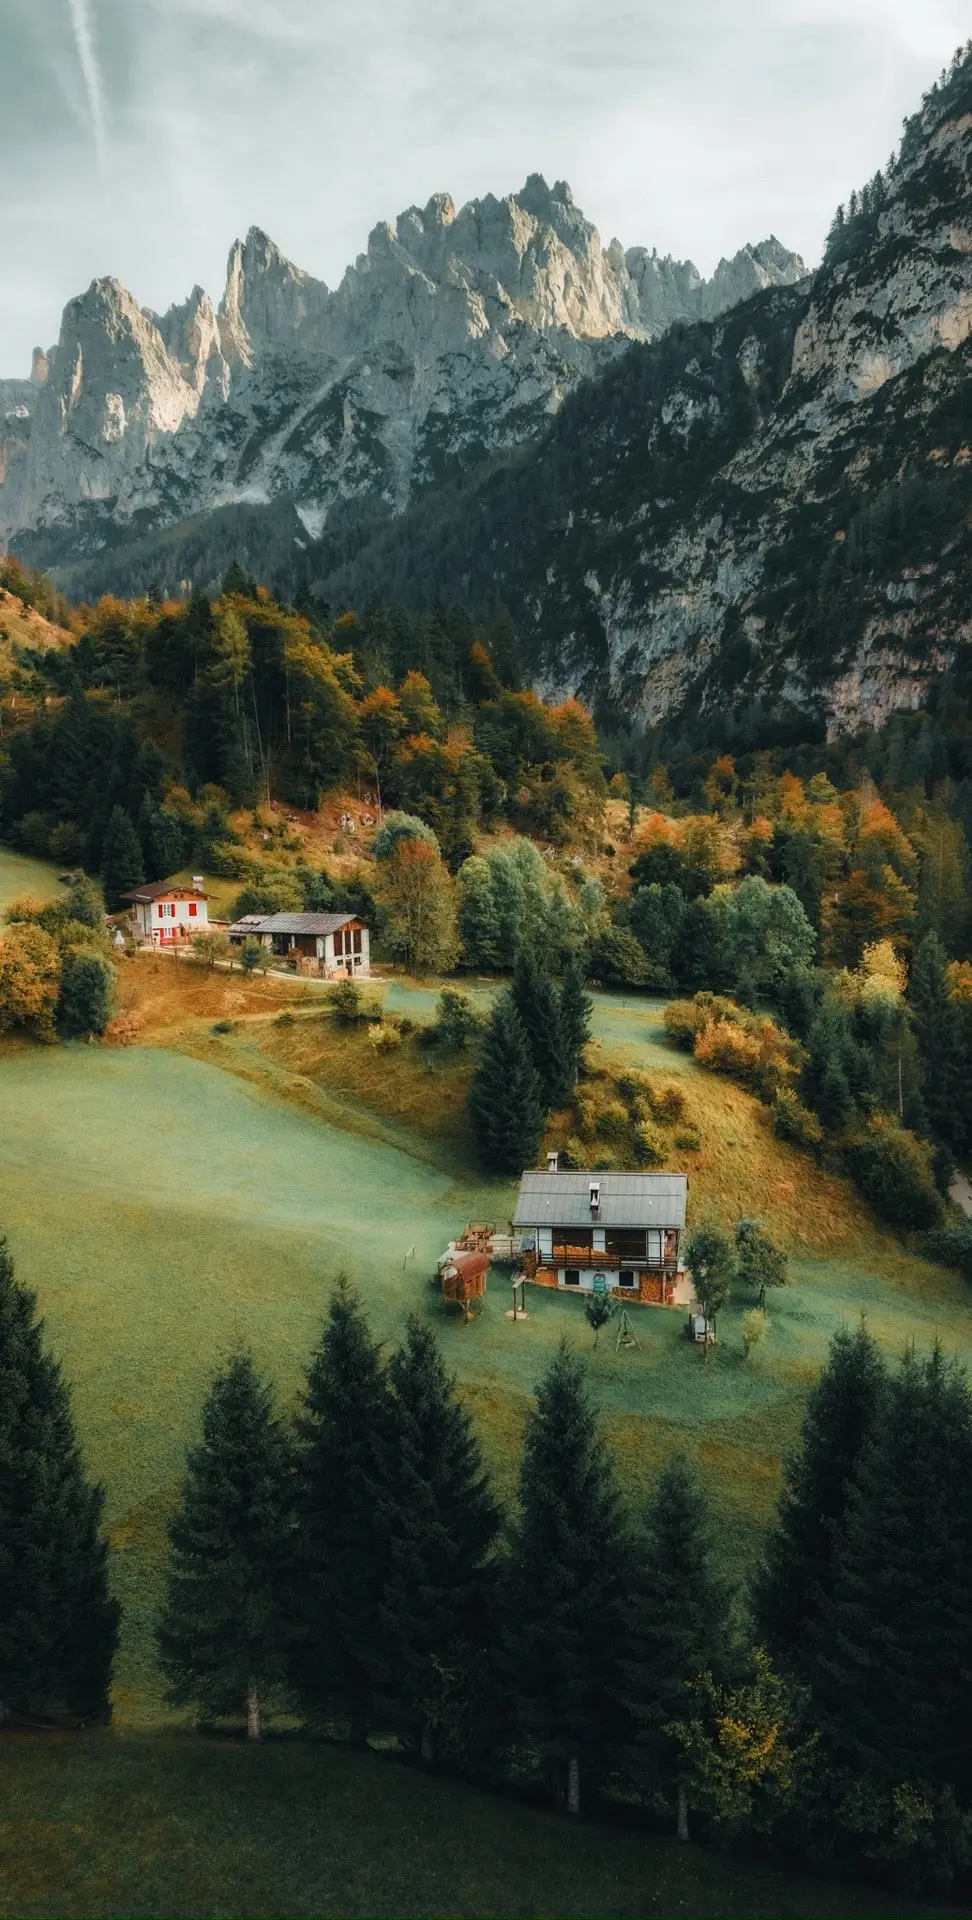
773,503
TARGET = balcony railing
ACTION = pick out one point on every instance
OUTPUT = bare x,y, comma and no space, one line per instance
564,1255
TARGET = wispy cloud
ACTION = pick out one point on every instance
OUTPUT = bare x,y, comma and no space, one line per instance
91,75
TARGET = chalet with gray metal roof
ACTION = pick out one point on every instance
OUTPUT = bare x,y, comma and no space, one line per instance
603,1231
335,945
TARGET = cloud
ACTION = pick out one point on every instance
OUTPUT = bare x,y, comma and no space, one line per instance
91,75
692,127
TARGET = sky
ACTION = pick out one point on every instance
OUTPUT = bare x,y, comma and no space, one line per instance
139,137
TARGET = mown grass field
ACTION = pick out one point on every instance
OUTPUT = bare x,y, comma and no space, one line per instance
21,876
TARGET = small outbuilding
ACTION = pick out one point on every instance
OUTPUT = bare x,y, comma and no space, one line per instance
335,945
603,1231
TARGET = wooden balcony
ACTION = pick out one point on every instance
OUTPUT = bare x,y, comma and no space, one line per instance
568,1256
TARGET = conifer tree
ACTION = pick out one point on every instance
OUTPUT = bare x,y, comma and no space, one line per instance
340,1658
680,1628
87,993
122,866
795,1591
58,1622
505,1102
538,1004
890,1677
936,1028
439,1605
576,1008
568,1587
224,1630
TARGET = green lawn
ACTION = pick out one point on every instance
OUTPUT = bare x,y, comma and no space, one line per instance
20,875
173,1825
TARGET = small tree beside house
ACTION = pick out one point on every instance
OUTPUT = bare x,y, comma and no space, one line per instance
709,1258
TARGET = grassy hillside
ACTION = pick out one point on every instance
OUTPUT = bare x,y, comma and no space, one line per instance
173,1826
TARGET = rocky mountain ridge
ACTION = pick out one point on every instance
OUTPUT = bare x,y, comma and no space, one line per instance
774,508
458,332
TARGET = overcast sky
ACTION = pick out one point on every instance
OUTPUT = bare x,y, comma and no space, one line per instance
140,136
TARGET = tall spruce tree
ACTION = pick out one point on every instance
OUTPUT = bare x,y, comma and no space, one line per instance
122,865
681,1627
340,1660
568,1587
224,1630
891,1674
440,1599
795,1591
58,1622
576,1009
945,1096
505,1100
538,1003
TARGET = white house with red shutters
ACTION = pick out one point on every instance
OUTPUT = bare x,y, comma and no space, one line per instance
165,912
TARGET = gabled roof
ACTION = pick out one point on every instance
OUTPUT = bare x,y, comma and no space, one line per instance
161,889
626,1200
313,923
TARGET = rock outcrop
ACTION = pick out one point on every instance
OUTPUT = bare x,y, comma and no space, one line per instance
457,333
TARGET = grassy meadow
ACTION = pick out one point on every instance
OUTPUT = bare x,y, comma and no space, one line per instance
170,1198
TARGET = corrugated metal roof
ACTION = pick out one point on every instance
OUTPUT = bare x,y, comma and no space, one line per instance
627,1200
312,923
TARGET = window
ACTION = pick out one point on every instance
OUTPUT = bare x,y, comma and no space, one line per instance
356,939
192,909
572,1277
627,1243
568,1240
655,1247
626,1278
339,945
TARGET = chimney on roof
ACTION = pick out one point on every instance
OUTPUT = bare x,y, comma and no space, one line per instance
199,880
553,1163
595,1198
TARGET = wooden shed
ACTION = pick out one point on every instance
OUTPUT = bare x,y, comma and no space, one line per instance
464,1279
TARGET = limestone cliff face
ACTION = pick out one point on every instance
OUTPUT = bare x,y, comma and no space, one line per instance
819,556
456,333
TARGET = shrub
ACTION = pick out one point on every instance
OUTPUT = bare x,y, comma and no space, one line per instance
684,1021
795,1123
345,1003
616,958
952,1245
383,1035
755,1328
226,861
893,1170
251,954
284,1020
456,1021
223,1026
209,947
647,1149
689,1140
667,1104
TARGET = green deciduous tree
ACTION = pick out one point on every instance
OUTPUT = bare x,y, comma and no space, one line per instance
340,1663
759,1263
225,1626
439,1608
58,1622
710,1260
505,1102
568,1587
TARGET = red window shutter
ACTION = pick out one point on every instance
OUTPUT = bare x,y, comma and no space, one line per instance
192,909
